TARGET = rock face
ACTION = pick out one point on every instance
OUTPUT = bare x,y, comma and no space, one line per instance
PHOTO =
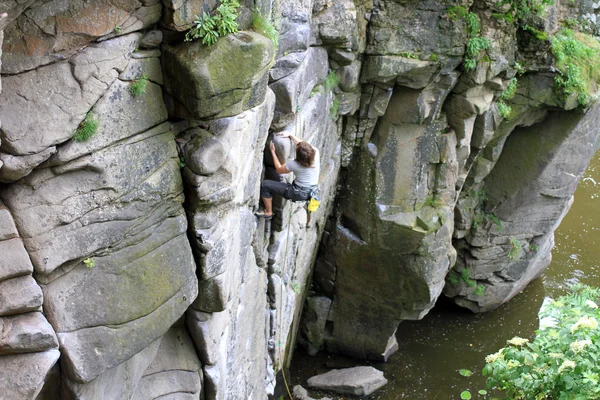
133,266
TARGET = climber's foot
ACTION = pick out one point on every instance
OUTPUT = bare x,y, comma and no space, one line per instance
263,214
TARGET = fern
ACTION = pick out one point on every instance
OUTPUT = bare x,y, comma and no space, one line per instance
211,28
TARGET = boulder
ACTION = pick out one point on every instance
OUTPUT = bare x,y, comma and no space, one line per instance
293,90
175,369
27,372
204,82
357,381
26,333
19,295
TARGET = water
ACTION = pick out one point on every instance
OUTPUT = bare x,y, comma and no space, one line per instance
448,339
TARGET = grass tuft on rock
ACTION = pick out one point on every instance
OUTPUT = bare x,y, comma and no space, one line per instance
577,58
138,87
86,129
331,81
263,25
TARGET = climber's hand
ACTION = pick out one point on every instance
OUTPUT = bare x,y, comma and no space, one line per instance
272,146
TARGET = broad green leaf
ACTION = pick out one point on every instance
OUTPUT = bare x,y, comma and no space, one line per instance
465,395
465,372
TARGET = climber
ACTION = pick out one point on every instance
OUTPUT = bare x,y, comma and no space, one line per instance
306,168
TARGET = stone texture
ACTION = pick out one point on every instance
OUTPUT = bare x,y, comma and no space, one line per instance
54,30
175,371
204,83
357,381
529,189
293,90
23,376
26,333
120,382
58,96
19,295
15,261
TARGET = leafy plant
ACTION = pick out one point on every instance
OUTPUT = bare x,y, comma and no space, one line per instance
465,395
457,12
315,90
479,290
181,162
464,274
465,372
515,249
264,26
535,248
505,110
210,28
433,57
331,81
89,263
118,29
86,129
577,56
562,360
408,54
335,106
452,280
476,43
138,87
511,89
296,287
495,220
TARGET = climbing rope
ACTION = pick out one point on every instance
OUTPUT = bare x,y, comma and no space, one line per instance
287,241
283,267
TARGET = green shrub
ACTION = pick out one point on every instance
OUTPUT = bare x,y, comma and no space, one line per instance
86,129
505,110
263,26
562,360
138,87
408,54
577,58
515,249
457,12
210,28
333,111
331,81
118,29
479,290
495,220
511,90
464,275
89,263
476,43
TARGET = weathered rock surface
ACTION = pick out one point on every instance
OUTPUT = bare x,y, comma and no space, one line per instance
24,375
357,381
204,83
143,238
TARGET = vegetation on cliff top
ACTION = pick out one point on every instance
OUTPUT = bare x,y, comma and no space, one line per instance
577,57
210,28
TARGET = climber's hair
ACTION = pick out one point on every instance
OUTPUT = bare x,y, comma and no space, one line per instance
305,154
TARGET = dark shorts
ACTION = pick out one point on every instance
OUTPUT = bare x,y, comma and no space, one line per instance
289,191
